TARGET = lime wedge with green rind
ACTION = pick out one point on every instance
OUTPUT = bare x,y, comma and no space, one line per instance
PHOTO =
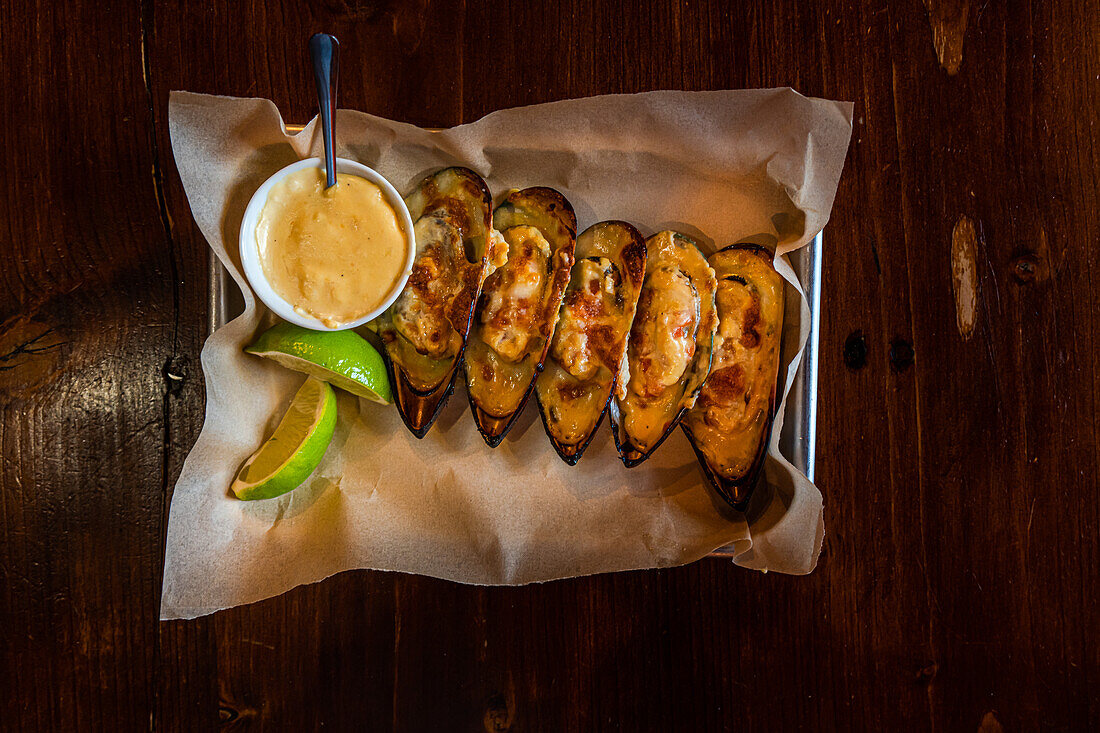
296,447
342,358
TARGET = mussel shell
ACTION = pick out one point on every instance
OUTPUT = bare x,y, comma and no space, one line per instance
493,428
552,215
628,254
418,409
687,388
629,453
572,452
460,195
737,490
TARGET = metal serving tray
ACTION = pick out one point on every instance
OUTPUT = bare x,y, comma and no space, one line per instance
798,438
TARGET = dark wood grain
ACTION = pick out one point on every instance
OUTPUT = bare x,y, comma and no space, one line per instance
962,555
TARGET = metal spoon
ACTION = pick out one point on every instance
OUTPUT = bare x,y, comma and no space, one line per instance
324,51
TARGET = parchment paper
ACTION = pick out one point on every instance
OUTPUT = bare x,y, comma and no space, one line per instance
722,166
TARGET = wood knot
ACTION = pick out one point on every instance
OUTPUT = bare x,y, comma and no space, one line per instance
855,350
901,354
236,717
927,673
175,373
498,714
1028,268
964,275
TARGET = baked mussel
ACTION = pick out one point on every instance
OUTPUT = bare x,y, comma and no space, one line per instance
588,351
730,425
517,310
425,331
669,351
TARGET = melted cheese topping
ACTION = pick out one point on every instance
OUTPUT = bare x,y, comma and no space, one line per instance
589,344
511,301
334,254
498,252
590,332
663,334
420,312
586,333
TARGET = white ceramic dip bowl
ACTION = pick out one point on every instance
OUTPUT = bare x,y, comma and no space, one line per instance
250,250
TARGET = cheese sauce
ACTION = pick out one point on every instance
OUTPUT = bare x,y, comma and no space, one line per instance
333,254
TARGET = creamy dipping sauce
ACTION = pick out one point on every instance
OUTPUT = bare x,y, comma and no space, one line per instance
332,254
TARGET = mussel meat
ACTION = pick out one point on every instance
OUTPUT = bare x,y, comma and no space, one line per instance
730,425
516,313
669,352
425,330
589,348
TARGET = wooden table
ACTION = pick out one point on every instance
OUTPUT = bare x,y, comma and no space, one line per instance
957,446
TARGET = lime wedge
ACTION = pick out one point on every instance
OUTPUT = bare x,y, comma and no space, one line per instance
344,359
294,449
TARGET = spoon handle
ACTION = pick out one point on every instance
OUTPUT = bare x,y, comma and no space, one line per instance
324,51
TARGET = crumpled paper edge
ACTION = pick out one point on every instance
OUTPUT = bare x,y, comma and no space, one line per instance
746,552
